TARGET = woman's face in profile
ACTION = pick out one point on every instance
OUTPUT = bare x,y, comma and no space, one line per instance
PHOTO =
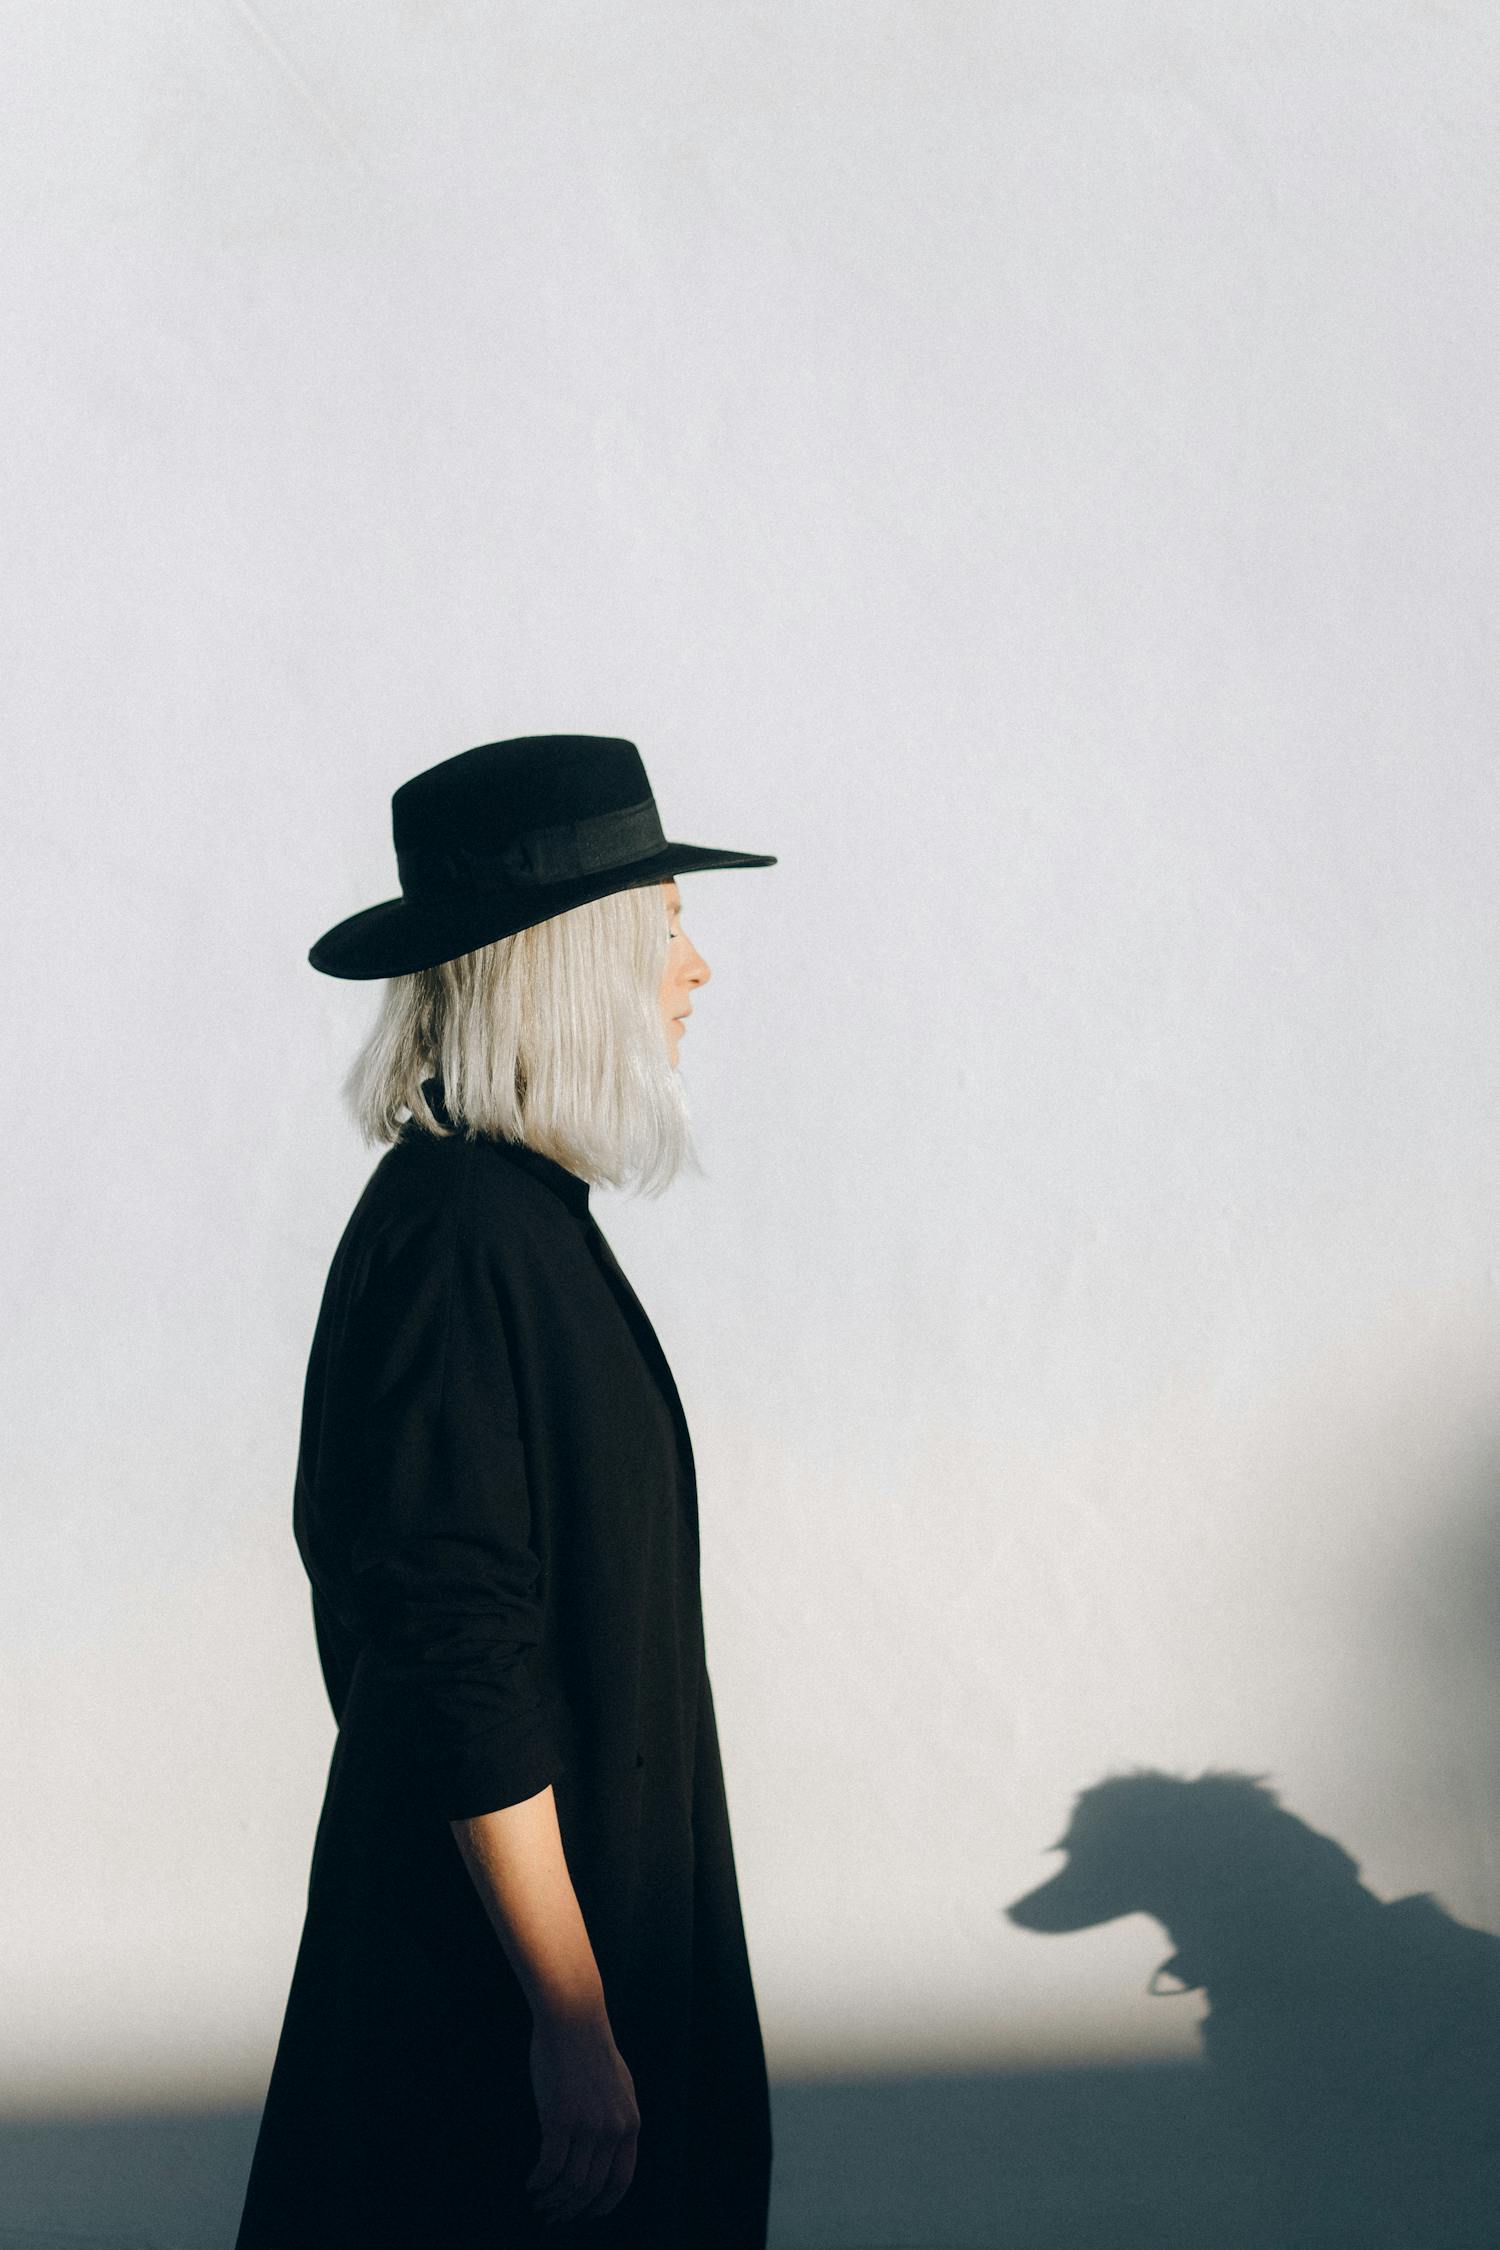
686,969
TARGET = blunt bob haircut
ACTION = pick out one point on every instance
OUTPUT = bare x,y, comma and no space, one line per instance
552,1037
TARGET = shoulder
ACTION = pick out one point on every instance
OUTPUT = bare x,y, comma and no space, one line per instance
435,1198
448,1246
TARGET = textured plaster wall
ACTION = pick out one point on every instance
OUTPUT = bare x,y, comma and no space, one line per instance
1031,466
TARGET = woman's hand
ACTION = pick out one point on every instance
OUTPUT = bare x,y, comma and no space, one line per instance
585,2099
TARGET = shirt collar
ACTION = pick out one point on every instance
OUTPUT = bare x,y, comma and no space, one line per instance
573,1190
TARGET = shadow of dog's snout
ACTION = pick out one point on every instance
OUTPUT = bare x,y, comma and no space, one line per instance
1114,1850
1070,1901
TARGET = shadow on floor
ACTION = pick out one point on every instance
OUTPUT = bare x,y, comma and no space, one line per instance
1128,2158
1132,2157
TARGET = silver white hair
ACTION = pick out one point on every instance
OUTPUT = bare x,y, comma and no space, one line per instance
553,1037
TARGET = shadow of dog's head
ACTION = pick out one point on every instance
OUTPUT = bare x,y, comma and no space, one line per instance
1156,1843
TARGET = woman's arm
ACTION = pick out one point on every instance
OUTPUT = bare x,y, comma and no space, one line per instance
585,2095
516,1859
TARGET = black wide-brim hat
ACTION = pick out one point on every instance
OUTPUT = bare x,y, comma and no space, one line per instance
505,836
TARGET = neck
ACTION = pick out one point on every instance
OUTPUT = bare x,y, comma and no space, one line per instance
1252,1934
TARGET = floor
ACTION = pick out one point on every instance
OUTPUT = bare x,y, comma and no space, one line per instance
1121,2159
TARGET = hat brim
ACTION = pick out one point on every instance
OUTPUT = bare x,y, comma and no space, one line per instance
401,935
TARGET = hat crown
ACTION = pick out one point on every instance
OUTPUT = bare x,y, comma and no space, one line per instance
488,796
538,809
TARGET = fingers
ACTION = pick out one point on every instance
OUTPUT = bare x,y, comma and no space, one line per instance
561,2196
549,2169
588,2173
617,2179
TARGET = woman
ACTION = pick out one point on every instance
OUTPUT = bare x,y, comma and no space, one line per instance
522,2008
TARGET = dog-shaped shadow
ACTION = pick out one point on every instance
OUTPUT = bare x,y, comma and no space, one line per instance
1357,2041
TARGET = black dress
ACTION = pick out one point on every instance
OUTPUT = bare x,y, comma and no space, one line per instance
497,1510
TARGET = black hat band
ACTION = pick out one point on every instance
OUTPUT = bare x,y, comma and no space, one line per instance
540,855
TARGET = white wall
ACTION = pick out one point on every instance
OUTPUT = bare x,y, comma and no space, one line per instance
1030,465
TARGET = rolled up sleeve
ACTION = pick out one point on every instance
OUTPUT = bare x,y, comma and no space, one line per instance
445,1572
